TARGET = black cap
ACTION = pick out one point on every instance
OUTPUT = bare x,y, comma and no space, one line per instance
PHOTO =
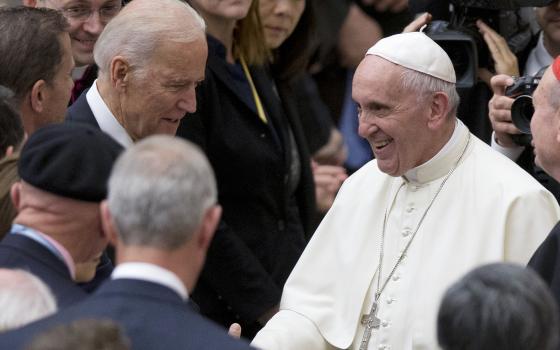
70,160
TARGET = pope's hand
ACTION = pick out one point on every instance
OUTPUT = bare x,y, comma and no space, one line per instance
235,330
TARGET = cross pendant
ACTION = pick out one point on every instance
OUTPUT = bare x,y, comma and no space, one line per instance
370,321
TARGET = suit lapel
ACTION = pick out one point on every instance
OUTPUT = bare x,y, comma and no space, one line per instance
81,112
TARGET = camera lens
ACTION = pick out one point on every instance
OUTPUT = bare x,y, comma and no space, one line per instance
521,112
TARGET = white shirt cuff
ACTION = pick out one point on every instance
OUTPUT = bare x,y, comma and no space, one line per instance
512,153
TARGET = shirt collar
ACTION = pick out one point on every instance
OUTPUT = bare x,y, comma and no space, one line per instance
151,273
442,162
105,118
538,58
49,243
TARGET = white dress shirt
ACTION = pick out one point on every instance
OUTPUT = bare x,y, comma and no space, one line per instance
151,273
105,118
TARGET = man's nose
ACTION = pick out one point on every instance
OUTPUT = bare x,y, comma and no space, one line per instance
187,102
94,24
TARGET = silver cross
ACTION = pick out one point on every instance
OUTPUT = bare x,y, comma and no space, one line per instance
370,321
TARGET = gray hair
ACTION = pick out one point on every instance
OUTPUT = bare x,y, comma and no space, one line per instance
498,307
159,190
24,298
425,84
140,27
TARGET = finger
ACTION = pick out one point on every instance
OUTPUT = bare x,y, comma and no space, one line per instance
499,83
501,103
235,330
506,128
416,24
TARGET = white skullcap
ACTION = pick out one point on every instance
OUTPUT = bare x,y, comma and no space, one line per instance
415,51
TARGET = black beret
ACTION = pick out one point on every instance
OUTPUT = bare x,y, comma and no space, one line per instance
70,160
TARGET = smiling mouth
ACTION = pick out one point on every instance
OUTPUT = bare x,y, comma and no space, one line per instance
379,145
172,120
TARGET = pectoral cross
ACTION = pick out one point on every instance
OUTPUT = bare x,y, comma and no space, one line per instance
370,321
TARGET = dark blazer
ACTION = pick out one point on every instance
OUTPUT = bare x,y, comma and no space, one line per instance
546,261
80,112
263,228
18,251
152,316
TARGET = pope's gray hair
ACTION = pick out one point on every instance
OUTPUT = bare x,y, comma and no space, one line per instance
140,27
24,298
424,84
159,191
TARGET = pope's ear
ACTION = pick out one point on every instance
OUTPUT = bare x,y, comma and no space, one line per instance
439,109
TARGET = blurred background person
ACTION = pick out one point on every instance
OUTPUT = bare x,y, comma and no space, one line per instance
24,298
87,19
11,140
498,307
288,28
84,335
262,166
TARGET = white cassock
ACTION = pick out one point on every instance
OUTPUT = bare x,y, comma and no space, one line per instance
489,210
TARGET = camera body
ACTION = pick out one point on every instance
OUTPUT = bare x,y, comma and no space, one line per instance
522,108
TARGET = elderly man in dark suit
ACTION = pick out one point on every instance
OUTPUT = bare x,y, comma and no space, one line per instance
150,56
63,170
161,214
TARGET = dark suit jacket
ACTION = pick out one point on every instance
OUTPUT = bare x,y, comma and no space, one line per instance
17,251
546,261
152,316
81,112
262,233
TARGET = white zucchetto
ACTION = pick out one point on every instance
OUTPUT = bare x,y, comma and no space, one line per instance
415,51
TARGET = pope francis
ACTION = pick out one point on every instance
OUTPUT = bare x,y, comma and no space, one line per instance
435,203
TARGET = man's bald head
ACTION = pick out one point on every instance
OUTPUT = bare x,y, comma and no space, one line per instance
24,298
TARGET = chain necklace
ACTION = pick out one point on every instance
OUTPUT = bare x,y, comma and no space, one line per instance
371,321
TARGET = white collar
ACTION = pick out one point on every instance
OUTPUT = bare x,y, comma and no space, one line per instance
78,72
440,164
105,118
151,273
538,58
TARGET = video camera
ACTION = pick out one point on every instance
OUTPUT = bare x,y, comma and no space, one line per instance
459,36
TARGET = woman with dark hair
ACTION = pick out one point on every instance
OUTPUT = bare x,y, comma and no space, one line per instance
288,27
262,166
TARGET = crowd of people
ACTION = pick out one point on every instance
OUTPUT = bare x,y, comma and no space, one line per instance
273,174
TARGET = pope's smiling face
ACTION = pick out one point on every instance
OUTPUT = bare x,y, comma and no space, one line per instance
391,118
87,19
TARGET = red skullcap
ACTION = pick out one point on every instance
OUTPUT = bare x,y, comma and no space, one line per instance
556,67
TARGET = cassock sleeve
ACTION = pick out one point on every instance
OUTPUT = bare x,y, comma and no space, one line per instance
289,330
525,235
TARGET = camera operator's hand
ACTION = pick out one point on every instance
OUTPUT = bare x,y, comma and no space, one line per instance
418,23
505,61
500,111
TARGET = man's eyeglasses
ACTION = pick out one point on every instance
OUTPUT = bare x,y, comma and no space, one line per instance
83,13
